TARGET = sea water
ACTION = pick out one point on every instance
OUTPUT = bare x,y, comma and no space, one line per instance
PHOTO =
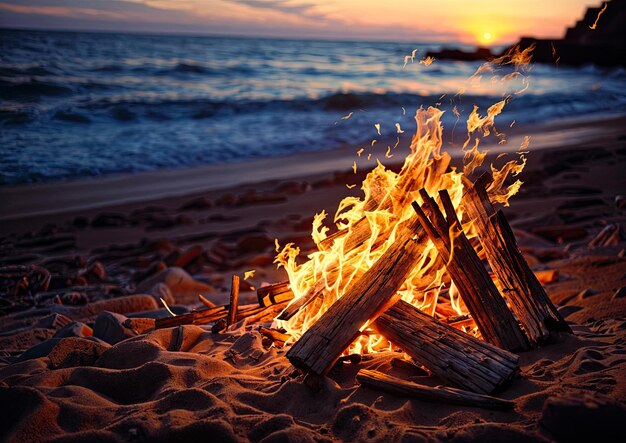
76,104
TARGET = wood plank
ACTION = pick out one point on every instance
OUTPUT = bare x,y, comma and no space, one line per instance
275,293
440,394
487,307
322,344
527,298
452,355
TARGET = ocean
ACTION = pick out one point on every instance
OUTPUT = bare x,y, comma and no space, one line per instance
78,104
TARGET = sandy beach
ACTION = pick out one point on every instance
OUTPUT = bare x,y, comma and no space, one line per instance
68,378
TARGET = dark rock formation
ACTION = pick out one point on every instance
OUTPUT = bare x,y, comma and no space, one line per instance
457,54
604,46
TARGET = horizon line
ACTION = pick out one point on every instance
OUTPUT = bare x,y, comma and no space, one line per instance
166,33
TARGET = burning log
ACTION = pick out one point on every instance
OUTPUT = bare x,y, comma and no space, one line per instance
487,307
376,290
452,355
273,294
440,394
527,298
234,301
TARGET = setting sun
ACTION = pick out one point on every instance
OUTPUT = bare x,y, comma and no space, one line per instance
485,37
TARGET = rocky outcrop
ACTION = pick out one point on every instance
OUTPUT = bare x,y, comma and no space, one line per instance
603,46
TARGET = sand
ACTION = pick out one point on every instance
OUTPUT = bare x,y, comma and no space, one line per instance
68,377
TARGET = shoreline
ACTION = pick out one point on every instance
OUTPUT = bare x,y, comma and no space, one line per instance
28,201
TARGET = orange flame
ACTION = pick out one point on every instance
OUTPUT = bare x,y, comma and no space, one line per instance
595,24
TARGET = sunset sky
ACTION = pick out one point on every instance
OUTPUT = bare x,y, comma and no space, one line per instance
476,21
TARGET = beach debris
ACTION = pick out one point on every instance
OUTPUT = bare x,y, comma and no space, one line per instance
234,301
610,235
253,313
20,280
202,299
619,293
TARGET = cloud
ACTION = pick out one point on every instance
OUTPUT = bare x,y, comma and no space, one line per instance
283,6
271,18
20,13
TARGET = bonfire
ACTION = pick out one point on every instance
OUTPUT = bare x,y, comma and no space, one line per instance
397,273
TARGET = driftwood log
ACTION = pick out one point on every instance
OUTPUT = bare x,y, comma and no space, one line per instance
517,282
487,307
450,354
322,344
440,394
